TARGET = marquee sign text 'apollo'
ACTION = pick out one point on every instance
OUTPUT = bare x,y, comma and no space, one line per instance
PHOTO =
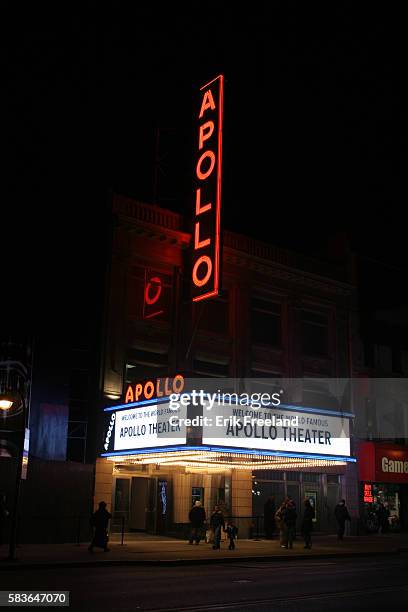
207,196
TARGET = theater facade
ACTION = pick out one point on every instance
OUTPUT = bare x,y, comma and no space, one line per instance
280,324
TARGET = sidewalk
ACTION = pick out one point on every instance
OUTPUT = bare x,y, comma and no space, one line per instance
159,550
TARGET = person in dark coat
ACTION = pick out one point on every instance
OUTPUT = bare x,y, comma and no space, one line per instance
269,517
197,518
289,518
307,523
99,521
216,524
342,515
383,513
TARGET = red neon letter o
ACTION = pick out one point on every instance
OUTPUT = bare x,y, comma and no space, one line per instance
204,259
178,383
149,385
152,300
205,175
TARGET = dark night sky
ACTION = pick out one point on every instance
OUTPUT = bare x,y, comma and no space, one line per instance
315,125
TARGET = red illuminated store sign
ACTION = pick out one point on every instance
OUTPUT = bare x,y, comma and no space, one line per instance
383,462
205,270
368,493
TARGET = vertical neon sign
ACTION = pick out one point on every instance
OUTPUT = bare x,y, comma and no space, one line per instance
205,270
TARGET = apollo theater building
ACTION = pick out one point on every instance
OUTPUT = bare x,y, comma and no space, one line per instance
191,306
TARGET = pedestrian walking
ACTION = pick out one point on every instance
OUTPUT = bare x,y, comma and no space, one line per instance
289,517
216,524
307,523
342,515
99,521
232,532
281,525
197,519
269,517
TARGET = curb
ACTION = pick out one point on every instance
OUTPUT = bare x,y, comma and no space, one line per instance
202,561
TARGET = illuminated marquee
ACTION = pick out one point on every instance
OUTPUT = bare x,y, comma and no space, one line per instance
207,196
144,426
323,434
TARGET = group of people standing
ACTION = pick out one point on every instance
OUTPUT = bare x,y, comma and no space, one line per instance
284,520
217,524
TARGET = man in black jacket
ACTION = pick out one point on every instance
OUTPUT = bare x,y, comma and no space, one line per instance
197,518
217,523
100,520
342,515
307,523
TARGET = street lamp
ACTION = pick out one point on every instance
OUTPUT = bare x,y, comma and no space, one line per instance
6,403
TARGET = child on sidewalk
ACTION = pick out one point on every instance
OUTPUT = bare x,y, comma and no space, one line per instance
232,532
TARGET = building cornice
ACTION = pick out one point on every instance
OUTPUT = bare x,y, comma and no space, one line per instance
162,225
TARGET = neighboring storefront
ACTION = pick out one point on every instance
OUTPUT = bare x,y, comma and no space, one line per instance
383,475
155,468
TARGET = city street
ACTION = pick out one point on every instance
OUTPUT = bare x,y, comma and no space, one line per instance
335,584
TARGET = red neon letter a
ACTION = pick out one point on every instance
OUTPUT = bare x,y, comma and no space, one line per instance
208,102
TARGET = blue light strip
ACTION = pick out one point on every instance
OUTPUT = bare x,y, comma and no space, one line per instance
226,449
157,400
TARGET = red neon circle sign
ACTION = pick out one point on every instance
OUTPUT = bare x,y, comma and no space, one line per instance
158,285
204,259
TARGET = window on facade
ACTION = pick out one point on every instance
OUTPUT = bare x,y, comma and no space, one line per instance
315,333
210,369
213,315
266,321
141,364
333,479
310,477
293,476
